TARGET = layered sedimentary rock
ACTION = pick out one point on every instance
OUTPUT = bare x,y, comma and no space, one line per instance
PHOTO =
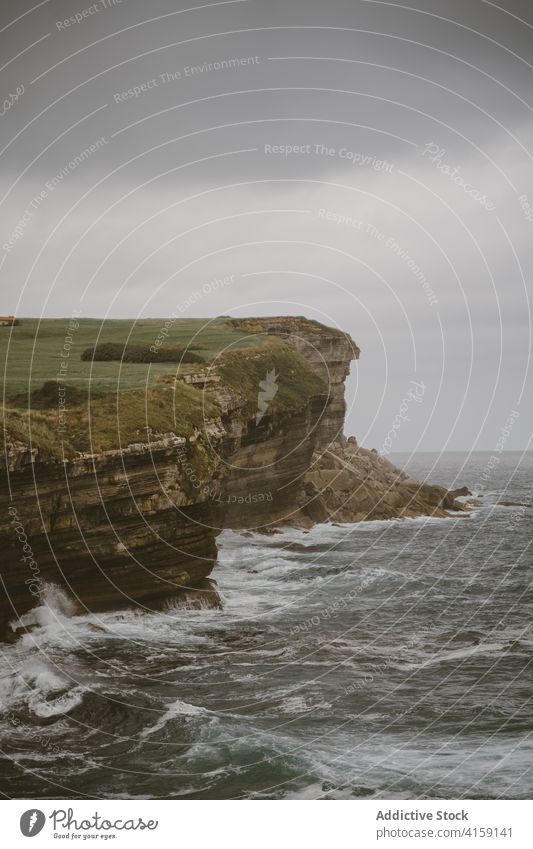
328,351
342,482
138,525
112,529
346,483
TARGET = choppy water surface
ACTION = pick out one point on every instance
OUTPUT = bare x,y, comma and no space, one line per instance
383,659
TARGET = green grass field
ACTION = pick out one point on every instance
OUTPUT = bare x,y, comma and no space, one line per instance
61,404
32,352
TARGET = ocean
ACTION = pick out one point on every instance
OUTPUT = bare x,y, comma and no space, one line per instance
373,660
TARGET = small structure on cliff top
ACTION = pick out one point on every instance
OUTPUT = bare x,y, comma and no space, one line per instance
8,321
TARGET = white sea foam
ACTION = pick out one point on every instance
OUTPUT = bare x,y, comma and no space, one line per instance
34,684
176,710
54,609
55,707
459,654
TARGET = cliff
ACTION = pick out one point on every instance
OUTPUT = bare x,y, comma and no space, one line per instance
129,513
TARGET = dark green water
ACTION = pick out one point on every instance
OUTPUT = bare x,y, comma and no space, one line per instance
386,659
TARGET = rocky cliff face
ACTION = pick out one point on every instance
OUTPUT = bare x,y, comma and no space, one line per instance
341,482
112,528
139,525
346,483
328,351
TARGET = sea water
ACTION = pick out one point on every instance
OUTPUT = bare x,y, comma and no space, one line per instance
378,659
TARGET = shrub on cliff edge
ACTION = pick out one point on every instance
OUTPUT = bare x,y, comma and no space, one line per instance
117,352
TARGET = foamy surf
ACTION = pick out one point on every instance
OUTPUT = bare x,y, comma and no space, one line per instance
338,654
178,710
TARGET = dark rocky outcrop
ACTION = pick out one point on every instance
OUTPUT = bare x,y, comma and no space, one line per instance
347,483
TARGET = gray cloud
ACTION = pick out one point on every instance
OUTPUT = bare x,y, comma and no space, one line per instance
188,192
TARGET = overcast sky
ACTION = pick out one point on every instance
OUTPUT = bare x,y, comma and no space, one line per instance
413,123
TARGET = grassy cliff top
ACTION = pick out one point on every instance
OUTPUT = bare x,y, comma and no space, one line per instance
109,421
61,418
284,324
276,370
39,350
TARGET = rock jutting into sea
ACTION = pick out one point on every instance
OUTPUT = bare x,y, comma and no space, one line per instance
136,523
